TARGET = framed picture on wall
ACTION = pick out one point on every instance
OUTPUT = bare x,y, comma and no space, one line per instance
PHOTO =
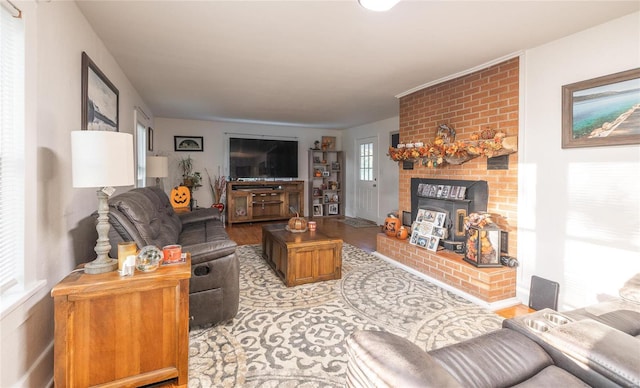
150,139
100,99
602,111
188,143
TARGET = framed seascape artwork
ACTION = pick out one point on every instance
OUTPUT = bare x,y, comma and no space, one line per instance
188,143
602,111
100,99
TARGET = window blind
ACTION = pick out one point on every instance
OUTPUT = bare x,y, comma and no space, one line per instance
11,147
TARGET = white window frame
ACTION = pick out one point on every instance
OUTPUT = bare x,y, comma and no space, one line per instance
141,123
27,271
365,166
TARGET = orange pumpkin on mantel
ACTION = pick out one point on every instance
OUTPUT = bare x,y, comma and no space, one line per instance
403,233
391,225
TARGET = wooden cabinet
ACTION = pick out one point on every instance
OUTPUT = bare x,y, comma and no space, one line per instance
326,183
263,200
299,258
113,331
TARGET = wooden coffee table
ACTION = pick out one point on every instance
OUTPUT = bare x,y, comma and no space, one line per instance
299,258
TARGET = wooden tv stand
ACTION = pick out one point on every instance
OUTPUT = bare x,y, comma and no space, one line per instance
251,201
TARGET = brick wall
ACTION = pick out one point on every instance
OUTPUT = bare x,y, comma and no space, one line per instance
488,284
469,104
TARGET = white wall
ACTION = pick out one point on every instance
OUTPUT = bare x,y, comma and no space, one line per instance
387,170
579,213
215,156
57,33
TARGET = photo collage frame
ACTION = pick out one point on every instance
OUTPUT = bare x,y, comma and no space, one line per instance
442,191
428,229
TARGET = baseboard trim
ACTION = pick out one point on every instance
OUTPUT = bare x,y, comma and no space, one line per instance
493,306
40,370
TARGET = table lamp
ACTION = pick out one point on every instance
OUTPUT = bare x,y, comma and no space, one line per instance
157,167
102,159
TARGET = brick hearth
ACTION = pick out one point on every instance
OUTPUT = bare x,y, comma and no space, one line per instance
488,284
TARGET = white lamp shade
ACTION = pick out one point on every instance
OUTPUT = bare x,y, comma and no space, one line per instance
378,5
157,166
101,158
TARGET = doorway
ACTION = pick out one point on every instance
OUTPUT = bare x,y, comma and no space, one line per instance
366,202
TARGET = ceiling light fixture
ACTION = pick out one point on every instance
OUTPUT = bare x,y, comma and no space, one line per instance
378,5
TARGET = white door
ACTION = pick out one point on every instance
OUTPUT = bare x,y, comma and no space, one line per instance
367,179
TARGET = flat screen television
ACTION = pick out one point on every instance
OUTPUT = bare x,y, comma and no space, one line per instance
262,158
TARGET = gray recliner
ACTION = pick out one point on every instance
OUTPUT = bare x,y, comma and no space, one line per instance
145,216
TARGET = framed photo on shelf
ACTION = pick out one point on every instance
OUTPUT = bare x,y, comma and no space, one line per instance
333,209
188,143
317,210
100,99
317,192
598,112
329,143
335,166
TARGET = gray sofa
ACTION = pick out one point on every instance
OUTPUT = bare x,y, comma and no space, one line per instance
145,215
595,346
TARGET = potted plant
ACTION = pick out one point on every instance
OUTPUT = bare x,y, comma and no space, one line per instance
186,164
189,177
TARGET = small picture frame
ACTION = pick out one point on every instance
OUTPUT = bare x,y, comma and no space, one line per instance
326,174
188,143
317,210
316,159
149,139
329,143
406,218
335,166
333,209
317,192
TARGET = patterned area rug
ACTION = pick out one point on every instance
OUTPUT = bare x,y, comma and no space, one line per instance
293,337
358,222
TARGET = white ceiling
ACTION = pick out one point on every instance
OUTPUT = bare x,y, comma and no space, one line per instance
318,64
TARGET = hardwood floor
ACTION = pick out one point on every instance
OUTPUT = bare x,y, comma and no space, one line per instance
363,238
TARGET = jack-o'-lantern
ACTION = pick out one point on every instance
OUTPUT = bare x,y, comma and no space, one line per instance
180,197
391,225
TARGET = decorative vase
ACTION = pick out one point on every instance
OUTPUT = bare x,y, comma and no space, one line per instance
391,225
403,233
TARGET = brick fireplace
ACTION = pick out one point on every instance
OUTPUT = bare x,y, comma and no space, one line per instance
487,98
